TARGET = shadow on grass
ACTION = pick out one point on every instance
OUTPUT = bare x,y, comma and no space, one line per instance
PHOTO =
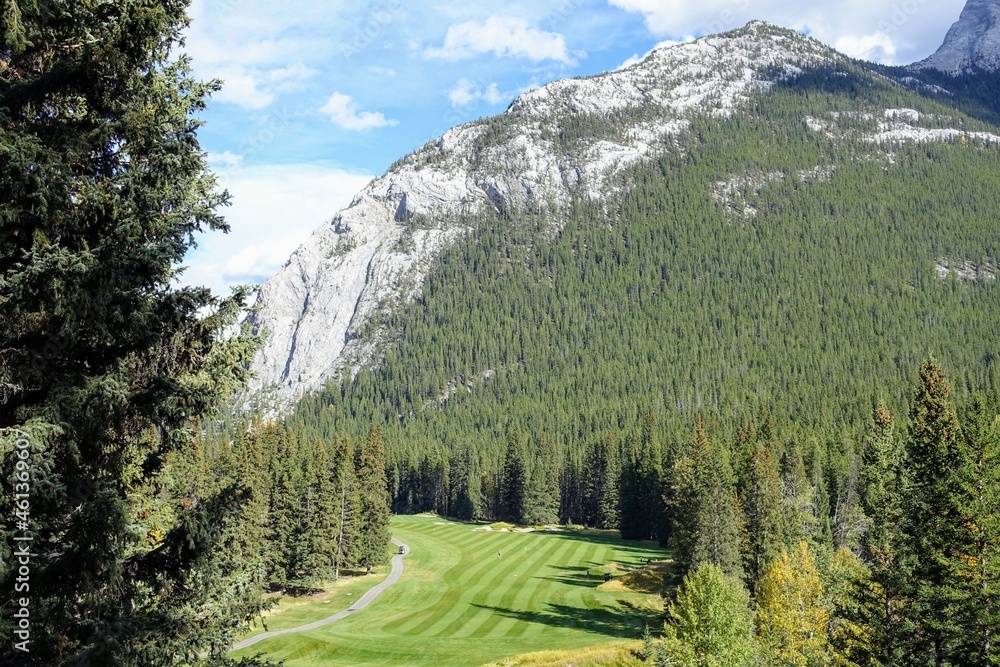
624,620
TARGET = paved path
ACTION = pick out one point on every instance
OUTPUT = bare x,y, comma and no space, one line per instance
363,601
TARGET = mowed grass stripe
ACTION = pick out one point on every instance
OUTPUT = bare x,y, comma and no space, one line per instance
452,590
459,595
509,592
467,611
540,595
525,600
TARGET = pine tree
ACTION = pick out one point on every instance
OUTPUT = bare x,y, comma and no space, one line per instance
105,365
978,571
374,514
321,515
883,488
346,507
601,478
467,494
933,520
640,494
513,481
541,503
760,499
707,524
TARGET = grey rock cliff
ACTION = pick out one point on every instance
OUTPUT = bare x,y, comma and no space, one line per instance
973,42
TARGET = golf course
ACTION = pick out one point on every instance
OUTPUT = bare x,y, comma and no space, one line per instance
470,595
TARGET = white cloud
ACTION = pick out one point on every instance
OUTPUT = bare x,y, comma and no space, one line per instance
343,112
466,92
501,36
225,160
255,88
877,47
275,209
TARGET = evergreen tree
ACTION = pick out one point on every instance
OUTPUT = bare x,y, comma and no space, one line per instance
640,493
978,575
707,524
105,366
467,493
933,521
760,499
513,481
321,517
883,491
373,506
799,499
285,527
541,503
346,508
601,475
571,490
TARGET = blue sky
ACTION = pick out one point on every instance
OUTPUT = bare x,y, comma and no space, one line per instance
320,97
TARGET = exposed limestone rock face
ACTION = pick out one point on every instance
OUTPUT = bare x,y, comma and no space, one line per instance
973,42
322,310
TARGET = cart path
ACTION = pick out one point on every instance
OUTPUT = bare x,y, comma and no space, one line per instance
394,574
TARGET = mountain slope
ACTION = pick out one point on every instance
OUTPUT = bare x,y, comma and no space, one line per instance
801,256
564,140
973,42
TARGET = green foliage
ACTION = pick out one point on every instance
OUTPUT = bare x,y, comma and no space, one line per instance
707,525
710,623
640,487
763,522
105,366
933,520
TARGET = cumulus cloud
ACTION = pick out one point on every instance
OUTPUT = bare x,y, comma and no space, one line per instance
275,209
466,92
256,88
343,112
877,47
502,36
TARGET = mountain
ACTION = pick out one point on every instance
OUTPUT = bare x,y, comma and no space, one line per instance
372,257
748,220
972,43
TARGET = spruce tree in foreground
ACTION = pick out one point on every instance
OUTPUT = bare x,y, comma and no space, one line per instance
933,523
883,489
979,564
104,364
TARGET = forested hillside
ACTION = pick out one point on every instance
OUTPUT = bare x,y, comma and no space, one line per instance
783,262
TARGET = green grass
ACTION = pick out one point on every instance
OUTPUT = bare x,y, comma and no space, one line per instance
336,596
458,604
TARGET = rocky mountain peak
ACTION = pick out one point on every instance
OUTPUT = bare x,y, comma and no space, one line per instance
973,41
